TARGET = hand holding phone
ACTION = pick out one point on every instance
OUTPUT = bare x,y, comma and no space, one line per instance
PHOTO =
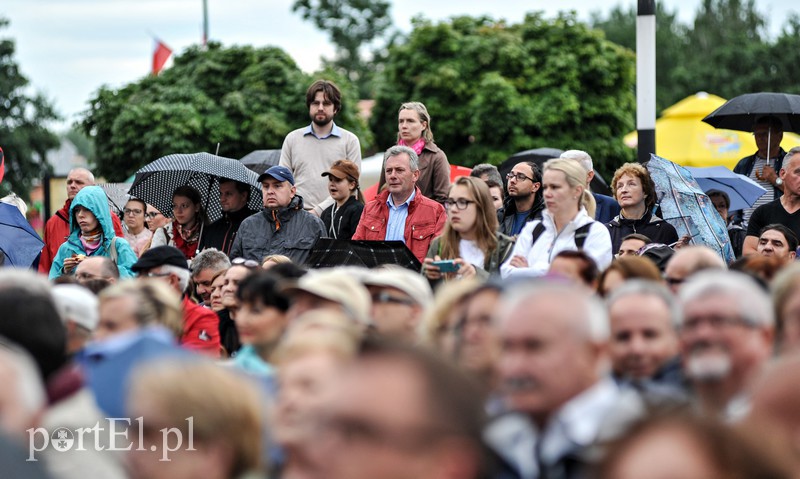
447,266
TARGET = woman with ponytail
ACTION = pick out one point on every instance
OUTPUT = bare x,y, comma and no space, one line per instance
566,224
341,218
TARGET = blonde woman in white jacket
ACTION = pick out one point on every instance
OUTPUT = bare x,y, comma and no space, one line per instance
569,208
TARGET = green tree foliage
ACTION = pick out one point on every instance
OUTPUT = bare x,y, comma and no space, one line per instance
242,97
351,24
494,89
671,45
24,136
727,50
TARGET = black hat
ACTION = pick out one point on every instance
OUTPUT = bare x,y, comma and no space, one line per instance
160,256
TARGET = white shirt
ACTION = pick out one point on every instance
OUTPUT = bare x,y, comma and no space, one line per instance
471,253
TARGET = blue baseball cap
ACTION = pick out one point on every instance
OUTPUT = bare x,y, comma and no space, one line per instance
280,173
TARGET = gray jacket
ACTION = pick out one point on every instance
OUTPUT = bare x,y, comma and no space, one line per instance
290,231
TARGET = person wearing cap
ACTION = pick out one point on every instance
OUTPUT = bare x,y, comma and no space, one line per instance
341,218
400,299
78,309
233,199
313,149
283,226
334,288
401,212
200,325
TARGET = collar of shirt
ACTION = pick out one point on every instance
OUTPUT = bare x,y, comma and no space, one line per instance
578,422
335,131
405,203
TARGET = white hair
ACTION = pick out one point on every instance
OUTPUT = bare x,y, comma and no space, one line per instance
183,275
28,383
649,288
752,301
593,323
24,279
581,157
14,200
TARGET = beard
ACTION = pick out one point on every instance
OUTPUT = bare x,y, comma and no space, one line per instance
322,120
708,366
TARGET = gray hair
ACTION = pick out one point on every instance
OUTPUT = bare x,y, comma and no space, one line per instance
649,288
752,301
25,280
89,174
581,157
210,258
795,150
489,170
592,323
183,275
413,159
14,200
29,387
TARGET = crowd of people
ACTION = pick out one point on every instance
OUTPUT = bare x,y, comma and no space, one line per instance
549,331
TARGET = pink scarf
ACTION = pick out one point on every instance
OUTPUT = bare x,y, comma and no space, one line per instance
417,146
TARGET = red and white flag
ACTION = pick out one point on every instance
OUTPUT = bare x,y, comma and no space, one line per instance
160,56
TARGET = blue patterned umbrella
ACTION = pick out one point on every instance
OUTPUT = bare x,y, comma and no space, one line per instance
155,182
687,208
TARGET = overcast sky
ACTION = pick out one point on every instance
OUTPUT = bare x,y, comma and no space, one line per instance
68,49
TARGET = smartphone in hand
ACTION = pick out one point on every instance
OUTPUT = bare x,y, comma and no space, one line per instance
446,266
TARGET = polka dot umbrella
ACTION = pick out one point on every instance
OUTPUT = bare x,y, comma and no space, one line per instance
155,182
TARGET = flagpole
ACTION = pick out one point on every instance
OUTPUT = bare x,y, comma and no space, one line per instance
205,22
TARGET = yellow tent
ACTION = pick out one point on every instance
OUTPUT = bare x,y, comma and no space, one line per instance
682,136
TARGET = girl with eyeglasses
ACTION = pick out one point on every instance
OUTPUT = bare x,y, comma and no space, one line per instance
470,237
136,232
187,227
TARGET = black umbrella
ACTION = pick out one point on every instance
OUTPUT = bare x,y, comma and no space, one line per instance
328,252
155,182
260,160
540,156
740,113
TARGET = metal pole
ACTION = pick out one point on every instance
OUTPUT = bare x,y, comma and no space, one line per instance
205,22
646,79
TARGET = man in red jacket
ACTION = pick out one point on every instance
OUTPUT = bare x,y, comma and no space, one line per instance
200,325
56,230
401,213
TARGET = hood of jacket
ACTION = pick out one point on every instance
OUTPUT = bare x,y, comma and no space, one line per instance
285,212
94,199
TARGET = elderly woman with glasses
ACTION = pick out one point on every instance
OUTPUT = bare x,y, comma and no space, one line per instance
187,209
469,244
567,224
136,232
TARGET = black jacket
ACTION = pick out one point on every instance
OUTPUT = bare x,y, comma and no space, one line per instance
650,225
344,221
509,211
221,233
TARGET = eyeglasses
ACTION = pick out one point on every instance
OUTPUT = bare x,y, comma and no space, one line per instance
674,281
519,177
460,204
716,322
152,214
151,274
128,211
386,297
247,263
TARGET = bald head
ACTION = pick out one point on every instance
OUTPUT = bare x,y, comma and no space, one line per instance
77,179
688,261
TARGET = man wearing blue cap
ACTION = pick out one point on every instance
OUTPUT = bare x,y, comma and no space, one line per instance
283,226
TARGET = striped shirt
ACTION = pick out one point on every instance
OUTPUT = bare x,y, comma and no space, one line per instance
758,166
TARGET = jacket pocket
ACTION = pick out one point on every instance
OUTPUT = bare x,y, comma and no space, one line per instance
421,237
374,228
